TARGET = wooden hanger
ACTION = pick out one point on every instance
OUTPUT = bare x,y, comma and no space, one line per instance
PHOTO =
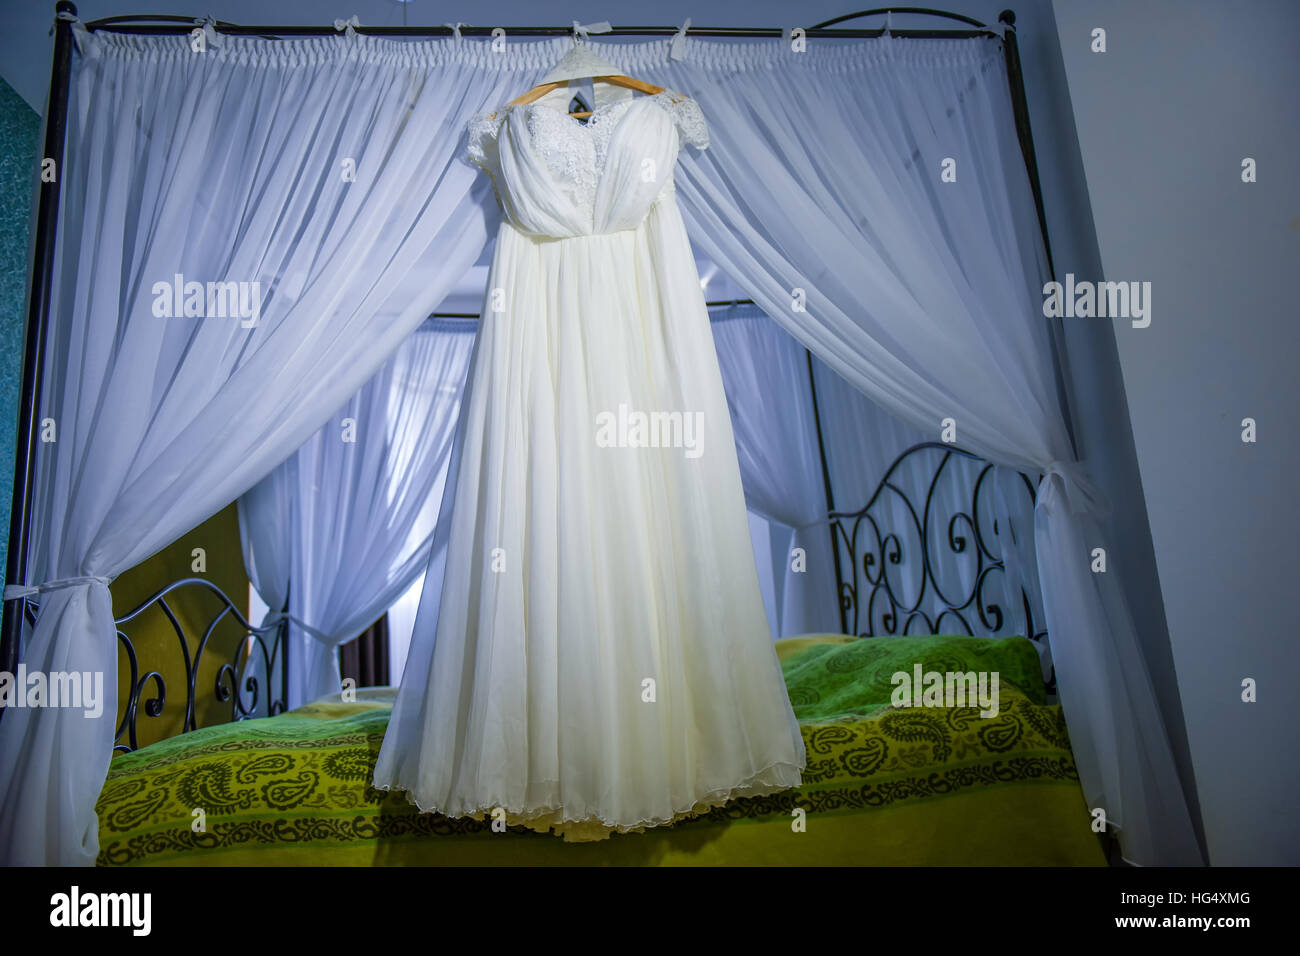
614,79
580,64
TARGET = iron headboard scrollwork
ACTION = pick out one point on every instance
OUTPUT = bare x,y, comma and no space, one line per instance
948,542
258,650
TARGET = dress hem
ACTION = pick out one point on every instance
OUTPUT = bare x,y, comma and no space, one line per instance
595,828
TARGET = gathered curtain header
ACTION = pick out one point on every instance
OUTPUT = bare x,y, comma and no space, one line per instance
524,56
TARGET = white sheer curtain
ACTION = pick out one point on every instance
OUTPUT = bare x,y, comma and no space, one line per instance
348,519
824,195
325,175
765,374
267,545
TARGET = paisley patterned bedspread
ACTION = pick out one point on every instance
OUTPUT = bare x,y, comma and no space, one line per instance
884,785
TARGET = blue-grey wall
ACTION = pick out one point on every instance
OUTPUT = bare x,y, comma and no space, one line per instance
1097,393
19,135
1185,90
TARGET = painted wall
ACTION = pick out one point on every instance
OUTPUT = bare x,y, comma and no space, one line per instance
20,129
1165,117
156,641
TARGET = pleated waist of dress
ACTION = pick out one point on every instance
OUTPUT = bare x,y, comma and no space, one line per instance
579,237
538,237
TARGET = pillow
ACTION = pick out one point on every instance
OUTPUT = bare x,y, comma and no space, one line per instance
838,676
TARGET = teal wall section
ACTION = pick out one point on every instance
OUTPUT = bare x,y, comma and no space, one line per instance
20,128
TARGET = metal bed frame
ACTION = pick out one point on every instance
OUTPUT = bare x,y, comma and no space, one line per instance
860,591
873,603
267,645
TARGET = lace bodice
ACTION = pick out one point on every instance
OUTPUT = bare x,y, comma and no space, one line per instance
558,177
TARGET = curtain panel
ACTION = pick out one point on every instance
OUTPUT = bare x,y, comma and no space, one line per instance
246,233
871,197
349,518
765,375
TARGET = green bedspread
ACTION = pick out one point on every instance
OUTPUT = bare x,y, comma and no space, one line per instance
883,785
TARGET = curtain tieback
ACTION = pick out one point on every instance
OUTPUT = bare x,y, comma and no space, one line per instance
274,616
1081,493
677,49
348,25
80,35
210,34
15,591
583,29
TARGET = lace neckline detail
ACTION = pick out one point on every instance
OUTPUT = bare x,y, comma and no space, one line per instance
576,153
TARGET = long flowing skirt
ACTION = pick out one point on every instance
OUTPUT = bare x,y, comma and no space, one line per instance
598,657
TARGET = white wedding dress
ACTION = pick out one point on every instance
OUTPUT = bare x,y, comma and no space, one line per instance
602,659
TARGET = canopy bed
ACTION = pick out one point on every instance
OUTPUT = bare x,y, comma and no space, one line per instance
919,299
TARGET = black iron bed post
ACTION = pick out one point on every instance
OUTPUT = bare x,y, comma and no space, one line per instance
1020,110
38,316
830,494
283,639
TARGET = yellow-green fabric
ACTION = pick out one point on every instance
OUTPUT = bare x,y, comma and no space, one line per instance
917,786
827,679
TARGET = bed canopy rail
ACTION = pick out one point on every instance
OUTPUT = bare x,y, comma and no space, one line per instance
161,24
257,651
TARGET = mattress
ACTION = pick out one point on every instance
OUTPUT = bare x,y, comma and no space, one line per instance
885,784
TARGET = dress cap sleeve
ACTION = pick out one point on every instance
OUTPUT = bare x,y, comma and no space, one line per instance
482,136
691,127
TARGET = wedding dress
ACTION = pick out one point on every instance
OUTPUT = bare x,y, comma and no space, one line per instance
598,658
